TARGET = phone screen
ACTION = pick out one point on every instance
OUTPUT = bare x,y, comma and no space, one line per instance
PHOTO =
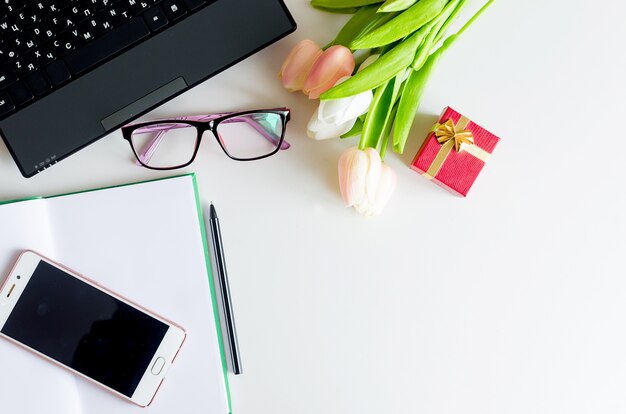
85,329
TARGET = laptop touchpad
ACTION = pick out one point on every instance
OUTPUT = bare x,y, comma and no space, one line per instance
141,104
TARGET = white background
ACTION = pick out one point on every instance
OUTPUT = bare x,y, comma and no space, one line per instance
508,301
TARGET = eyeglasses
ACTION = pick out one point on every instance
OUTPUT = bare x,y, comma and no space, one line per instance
168,144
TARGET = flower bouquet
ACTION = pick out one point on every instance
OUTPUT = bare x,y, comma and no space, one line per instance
397,44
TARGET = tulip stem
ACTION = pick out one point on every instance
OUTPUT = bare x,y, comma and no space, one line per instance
383,148
474,17
449,20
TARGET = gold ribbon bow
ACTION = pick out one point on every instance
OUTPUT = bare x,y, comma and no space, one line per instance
447,134
454,136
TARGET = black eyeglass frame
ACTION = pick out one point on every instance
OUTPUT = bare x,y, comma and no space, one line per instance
208,125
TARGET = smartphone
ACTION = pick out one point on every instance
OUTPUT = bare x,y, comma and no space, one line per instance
95,333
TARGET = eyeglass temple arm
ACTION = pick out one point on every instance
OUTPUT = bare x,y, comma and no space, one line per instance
146,154
148,151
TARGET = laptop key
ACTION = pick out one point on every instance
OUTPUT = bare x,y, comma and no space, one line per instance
99,5
23,43
63,44
11,6
61,21
174,9
7,77
58,72
20,93
107,45
85,31
9,27
103,23
6,105
194,4
119,13
38,83
24,65
31,15
137,6
155,18
81,12
7,52
43,56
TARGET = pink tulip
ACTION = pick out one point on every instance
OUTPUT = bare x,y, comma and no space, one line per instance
334,63
364,181
298,64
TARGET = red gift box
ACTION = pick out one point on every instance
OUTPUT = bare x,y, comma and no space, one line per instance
454,152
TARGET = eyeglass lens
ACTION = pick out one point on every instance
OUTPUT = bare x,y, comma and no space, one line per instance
165,145
250,135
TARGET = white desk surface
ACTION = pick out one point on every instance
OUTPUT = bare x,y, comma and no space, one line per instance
509,301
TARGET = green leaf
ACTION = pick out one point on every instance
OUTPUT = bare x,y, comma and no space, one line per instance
402,25
410,101
342,4
395,5
364,20
384,68
438,23
379,113
372,118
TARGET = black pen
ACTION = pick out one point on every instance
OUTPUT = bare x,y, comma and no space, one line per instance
229,318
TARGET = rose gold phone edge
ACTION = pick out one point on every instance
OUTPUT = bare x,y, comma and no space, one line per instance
11,275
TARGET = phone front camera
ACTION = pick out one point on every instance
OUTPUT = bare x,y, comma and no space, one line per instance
19,277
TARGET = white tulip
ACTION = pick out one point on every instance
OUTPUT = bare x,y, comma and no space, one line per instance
318,129
335,117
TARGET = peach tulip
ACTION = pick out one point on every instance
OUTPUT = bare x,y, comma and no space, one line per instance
364,181
298,64
333,64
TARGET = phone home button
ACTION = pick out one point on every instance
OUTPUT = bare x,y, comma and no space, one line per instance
158,365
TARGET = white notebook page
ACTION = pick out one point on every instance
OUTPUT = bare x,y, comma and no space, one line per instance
35,385
144,242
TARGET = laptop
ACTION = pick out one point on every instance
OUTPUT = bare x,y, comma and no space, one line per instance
72,71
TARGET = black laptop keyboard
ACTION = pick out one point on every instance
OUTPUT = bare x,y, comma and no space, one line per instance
46,43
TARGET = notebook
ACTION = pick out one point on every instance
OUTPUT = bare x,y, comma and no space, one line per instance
145,241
